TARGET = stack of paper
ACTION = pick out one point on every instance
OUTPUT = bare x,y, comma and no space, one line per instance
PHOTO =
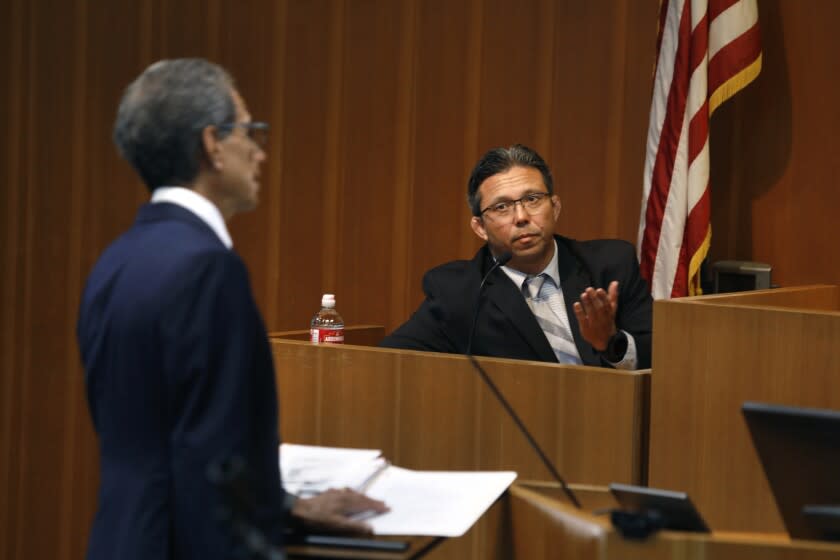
308,469
433,503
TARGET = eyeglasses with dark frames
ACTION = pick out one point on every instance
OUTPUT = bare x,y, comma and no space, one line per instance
531,203
256,131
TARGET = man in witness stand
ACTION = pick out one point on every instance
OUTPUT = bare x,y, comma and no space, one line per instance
556,299
178,368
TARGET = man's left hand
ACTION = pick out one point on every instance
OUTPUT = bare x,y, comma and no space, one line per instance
596,315
333,511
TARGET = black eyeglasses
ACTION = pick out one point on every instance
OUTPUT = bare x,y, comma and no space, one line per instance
256,131
531,202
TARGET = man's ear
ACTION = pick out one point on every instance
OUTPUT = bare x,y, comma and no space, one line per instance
210,144
555,206
477,225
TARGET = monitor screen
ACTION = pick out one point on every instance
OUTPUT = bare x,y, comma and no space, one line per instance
799,450
675,508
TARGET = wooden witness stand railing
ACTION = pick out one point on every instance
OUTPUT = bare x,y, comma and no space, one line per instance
710,354
431,411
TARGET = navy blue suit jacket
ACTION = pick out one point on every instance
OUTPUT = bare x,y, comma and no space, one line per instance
506,327
179,374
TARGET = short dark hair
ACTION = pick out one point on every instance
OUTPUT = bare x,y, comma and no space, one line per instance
162,113
499,160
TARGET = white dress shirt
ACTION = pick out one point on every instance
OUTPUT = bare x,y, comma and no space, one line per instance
198,205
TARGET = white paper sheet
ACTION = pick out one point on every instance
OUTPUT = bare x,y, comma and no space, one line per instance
434,503
425,503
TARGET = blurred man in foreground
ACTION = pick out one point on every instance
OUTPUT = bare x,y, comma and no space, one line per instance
178,368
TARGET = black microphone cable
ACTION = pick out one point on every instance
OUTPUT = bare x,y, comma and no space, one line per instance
501,260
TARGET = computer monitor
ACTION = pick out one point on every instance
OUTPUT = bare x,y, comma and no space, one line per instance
799,449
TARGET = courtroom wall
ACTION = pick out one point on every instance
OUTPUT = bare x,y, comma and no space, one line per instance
378,110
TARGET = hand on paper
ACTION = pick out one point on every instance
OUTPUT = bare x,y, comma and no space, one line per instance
333,511
596,315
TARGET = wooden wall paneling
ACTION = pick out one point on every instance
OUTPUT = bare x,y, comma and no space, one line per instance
510,75
14,36
74,438
403,185
252,49
789,220
605,57
365,198
773,163
585,87
473,41
336,138
121,45
637,80
302,189
272,198
437,203
50,394
378,112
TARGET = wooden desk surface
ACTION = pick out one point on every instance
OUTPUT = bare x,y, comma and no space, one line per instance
544,525
417,548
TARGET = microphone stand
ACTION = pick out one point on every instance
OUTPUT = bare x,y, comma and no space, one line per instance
500,261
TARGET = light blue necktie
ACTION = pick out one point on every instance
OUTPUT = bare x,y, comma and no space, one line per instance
546,302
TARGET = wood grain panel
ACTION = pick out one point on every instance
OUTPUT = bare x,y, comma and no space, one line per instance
440,217
378,110
544,527
359,335
774,165
430,411
699,442
816,298
12,99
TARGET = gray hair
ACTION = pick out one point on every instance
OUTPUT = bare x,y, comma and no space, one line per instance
161,116
499,160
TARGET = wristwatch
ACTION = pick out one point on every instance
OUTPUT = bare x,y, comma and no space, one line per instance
616,347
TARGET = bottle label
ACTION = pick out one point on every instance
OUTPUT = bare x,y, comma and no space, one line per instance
329,336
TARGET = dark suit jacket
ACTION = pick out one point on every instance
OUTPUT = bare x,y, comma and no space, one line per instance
506,327
179,374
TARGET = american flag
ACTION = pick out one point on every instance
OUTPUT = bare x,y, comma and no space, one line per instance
707,50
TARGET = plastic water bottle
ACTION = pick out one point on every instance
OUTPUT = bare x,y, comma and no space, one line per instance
327,325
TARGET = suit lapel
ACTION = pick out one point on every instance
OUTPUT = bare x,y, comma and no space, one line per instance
574,279
501,292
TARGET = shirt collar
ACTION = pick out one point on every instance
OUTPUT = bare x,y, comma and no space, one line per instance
551,270
198,205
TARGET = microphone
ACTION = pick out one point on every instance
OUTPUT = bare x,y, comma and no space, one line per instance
501,260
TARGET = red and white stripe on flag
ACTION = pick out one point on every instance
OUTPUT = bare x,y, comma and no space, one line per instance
707,50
